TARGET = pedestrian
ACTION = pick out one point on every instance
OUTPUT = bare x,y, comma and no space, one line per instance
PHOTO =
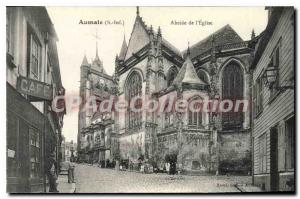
168,167
52,173
71,168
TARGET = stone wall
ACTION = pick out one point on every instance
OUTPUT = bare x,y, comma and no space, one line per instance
234,152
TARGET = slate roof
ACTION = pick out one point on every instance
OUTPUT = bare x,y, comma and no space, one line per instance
147,38
187,74
171,47
225,35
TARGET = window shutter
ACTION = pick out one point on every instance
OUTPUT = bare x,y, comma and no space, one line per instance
254,100
281,147
260,94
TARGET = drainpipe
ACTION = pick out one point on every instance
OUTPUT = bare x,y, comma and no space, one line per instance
45,111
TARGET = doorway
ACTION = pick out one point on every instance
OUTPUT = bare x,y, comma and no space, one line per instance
274,175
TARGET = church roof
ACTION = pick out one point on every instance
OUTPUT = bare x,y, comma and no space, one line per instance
123,50
84,61
225,35
171,47
187,74
140,37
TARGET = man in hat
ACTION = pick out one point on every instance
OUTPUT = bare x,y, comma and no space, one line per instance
51,173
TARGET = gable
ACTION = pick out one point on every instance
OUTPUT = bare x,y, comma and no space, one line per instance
139,38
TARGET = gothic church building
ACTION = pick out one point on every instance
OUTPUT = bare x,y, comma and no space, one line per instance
216,67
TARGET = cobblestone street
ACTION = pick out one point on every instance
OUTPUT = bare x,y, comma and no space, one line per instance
91,179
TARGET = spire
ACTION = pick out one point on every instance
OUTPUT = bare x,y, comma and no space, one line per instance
159,31
188,52
123,49
252,34
84,61
137,11
97,37
151,30
187,74
97,50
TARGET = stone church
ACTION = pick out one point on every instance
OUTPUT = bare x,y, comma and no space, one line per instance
149,66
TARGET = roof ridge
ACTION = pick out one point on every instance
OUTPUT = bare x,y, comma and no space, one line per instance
133,28
204,44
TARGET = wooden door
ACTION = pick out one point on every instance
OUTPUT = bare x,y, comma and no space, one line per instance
274,175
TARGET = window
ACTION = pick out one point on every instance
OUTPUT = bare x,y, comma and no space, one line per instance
49,73
34,56
134,89
290,143
169,116
232,89
97,139
258,96
203,76
35,153
262,153
195,115
275,62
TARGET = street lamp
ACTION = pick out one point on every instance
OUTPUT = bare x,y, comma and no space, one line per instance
270,78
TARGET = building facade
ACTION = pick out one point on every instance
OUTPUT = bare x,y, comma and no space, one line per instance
32,81
69,151
274,103
151,68
95,128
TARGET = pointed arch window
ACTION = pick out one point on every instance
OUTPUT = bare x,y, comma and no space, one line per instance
134,89
232,89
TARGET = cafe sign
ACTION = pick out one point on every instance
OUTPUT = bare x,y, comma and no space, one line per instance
38,91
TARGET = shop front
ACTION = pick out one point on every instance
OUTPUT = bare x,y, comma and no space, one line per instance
29,140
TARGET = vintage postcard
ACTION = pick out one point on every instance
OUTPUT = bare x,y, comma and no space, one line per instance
150,99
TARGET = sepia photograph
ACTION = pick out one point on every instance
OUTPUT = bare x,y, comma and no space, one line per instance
160,99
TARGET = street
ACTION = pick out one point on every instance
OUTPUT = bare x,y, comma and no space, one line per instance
91,179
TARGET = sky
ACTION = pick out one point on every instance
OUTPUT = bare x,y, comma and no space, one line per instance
77,39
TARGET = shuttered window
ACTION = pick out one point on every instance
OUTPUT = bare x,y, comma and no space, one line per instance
254,99
281,147
262,153
275,62
290,143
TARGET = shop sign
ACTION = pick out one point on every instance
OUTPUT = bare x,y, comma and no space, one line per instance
38,90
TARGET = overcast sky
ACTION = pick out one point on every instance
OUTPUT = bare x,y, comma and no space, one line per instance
76,39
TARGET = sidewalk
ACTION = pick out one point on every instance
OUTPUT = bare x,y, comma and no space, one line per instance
64,186
248,188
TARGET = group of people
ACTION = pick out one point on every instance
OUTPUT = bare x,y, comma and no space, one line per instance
170,168
52,172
